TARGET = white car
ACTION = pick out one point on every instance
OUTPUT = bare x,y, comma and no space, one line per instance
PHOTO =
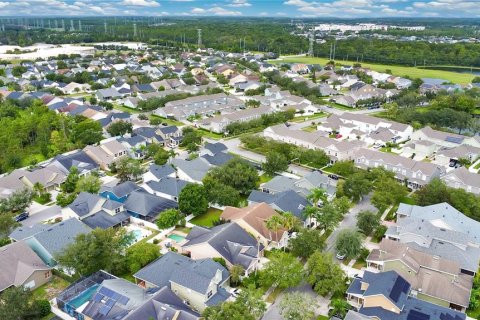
340,256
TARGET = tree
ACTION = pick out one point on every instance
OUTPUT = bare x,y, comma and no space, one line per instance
356,186
324,275
128,169
191,139
252,301
89,183
101,249
193,199
169,218
236,173
283,271
328,216
342,204
274,224
297,306
119,128
17,201
236,273
17,304
7,224
219,193
344,168
141,254
86,132
367,222
339,308
275,162
349,243
71,182
434,192
317,196
290,221
161,157
388,192
249,305
306,243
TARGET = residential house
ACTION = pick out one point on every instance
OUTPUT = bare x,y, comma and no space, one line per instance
202,105
171,135
164,304
253,220
106,153
450,157
48,240
21,267
385,296
228,241
199,283
215,154
101,296
419,150
97,212
166,187
146,206
464,179
118,192
415,173
219,123
286,201
439,230
108,94
135,145
302,186
78,159
432,278
156,172
444,139
191,170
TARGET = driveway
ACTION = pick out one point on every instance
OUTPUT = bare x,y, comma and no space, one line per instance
43,213
273,312
349,221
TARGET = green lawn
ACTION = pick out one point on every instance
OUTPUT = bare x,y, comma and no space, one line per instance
170,122
207,219
308,118
125,109
414,72
409,200
51,289
209,134
265,178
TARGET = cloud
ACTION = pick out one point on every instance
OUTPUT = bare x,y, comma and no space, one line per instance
141,3
239,3
215,10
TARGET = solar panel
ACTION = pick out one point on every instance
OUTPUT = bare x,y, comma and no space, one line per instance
98,297
417,315
400,286
123,300
110,302
106,292
104,310
454,139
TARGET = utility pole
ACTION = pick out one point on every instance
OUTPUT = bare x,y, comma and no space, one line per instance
80,25
310,43
72,27
135,30
63,25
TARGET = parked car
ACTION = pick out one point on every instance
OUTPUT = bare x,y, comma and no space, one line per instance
333,176
22,216
340,256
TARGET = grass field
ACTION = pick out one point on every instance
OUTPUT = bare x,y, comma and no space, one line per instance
455,77
207,219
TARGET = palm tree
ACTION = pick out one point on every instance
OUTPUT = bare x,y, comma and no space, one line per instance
310,212
274,223
316,195
38,188
290,221
236,273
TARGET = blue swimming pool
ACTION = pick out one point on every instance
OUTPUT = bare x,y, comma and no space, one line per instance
176,237
137,234
83,297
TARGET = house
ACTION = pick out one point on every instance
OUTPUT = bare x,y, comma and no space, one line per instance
97,212
219,123
444,139
253,220
106,153
464,179
199,283
146,206
48,240
118,192
156,172
21,267
286,201
50,178
202,105
135,145
450,157
419,150
171,135
228,241
215,154
78,159
432,278
386,296
439,230
302,186
415,173
108,94
164,304
166,187
101,296
191,170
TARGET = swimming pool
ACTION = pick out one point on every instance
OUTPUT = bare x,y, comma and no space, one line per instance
176,237
83,297
137,234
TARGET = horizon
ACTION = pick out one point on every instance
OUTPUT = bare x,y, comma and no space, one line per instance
299,9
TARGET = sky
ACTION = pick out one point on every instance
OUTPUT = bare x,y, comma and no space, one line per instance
260,8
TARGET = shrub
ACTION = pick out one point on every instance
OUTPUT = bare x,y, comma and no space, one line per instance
43,307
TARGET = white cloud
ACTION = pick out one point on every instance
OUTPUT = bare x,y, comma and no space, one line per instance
215,10
239,3
141,3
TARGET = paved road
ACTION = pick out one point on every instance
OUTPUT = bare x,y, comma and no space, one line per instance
349,221
43,214
273,312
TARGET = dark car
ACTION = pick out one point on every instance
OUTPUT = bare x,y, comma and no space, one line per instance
22,216
333,176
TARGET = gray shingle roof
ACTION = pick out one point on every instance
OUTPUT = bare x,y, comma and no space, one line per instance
195,169
286,201
146,204
85,203
121,190
161,171
168,185
104,220
173,267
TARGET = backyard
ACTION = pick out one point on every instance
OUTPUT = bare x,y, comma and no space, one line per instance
414,72
207,219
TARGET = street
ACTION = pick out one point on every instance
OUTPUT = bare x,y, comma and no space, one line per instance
39,213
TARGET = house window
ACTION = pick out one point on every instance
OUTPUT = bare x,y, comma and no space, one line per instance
209,294
117,210
47,274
